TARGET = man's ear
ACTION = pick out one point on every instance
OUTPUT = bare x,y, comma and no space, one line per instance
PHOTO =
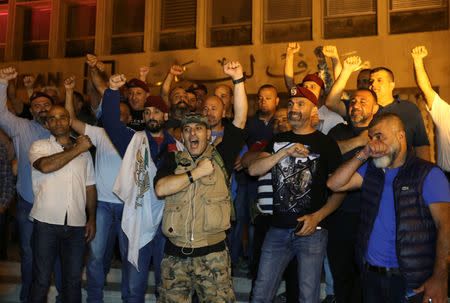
277,100
392,85
314,110
166,116
375,108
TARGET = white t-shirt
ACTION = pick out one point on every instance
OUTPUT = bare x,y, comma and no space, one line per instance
327,120
107,163
440,112
62,191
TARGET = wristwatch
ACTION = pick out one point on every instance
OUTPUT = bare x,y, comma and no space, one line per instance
360,158
239,80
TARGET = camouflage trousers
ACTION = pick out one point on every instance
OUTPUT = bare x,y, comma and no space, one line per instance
209,275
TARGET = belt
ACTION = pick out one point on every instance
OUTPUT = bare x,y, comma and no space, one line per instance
385,271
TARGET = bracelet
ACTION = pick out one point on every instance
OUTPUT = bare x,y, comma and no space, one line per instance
239,80
188,173
360,158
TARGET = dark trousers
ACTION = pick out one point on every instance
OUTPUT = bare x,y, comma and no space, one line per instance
341,256
50,241
380,288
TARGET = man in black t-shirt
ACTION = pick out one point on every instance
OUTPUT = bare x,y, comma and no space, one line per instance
301,161
137,95
350,137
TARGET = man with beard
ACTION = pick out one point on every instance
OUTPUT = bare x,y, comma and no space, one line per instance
178,108
343,224
382,83
141,242
196,215
403,237
300,199
109,206
137,94
64,209
24,132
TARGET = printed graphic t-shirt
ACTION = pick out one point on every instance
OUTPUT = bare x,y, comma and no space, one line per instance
299,184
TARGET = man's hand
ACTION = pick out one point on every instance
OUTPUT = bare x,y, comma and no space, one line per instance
91,60
233,69
374,149
7,74
309,225
69,83
205,168
143,72
238,164
352,63
116,81
292,48
90,230
28,81
434,288
330,51
2,209
83,143
419,52
297,150
176,70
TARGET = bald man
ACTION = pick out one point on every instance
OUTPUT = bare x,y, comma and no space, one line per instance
403,237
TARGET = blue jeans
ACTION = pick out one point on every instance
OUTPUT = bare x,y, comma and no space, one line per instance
242,207
134,283
378,288
50,241
280,246
109,216
328,277
25,227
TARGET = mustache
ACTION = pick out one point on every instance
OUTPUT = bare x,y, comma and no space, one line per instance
290,114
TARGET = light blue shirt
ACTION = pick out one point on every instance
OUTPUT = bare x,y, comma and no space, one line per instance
23,132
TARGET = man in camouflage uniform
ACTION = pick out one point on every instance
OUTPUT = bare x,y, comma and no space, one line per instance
194,183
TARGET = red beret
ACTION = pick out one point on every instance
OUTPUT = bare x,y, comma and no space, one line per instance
315,78
158,102
300,91
137,83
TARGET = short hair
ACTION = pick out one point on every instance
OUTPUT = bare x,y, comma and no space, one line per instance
381,68
230,90
53,88
127,105
37,94
78,96
268,86
374,95
389,117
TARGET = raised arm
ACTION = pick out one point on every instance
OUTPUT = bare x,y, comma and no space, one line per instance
265,161
96,71
291,50
175,70
423,81
333,100
49,164
143,72
331,52
240,106
77,125
117,131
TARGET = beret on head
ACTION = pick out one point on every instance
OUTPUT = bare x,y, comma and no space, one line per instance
315,78
36,95
194,118
196,86
158,102
137,83
300,91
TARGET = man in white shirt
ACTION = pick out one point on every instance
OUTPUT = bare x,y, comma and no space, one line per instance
438,108
64,187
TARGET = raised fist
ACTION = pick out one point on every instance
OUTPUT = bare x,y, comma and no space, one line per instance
292,48
233,69
143,72
419,52
28,81
91,60
330,51
176,70
352,63
116,81
69,83
7,74
83,143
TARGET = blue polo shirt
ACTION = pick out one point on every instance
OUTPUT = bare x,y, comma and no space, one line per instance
381,249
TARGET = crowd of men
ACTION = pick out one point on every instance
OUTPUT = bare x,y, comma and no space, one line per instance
177,178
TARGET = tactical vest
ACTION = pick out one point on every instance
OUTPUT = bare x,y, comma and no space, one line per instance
416,232
198,215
